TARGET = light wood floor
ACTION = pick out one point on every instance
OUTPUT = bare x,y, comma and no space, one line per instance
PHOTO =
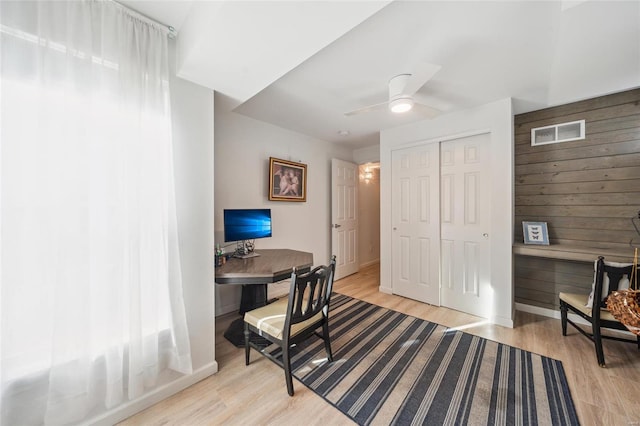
256,395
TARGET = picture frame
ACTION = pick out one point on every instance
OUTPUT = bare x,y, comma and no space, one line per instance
535,233
287,180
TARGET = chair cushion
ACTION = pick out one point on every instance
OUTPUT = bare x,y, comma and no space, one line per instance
624,282
270,319
579,302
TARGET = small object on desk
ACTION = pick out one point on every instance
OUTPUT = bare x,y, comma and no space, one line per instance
535,233
220,258
244,250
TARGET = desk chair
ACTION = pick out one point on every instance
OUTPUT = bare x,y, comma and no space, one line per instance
287,322
608,277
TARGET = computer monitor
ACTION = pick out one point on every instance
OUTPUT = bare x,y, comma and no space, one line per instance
246,225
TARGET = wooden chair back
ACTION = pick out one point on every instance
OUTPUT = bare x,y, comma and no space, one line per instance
310,294
615,275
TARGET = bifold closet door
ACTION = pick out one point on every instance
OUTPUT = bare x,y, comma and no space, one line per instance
465,214
416,223
441,210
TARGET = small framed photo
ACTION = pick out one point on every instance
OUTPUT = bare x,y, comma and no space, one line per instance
535,233
287,180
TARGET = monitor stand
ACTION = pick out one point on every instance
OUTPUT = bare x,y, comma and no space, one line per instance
246,256
245,250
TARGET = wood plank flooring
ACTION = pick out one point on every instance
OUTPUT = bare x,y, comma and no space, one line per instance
257,395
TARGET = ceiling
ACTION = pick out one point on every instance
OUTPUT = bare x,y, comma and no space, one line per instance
303,65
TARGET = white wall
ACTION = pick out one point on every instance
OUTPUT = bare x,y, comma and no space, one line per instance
242,150
370,154
192,110
192,121
497,118
369,218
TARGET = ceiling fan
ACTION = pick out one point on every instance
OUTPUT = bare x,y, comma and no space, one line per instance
402,93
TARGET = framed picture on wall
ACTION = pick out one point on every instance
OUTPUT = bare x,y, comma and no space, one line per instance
535,233
287,180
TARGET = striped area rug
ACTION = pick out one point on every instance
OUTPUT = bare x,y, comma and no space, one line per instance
391,368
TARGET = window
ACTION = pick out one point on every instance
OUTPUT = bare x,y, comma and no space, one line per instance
90,278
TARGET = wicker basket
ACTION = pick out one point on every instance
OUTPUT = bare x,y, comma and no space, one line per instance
624,305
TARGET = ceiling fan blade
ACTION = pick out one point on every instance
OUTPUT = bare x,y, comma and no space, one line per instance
422,73
375,107
426,111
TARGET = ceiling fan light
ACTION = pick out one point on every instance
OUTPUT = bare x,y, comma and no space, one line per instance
401,105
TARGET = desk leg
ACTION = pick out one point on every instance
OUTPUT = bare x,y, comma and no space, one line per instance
253,296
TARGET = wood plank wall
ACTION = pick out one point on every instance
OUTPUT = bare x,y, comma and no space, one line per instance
538,281
586,190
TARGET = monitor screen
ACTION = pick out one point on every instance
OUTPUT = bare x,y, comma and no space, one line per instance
246,224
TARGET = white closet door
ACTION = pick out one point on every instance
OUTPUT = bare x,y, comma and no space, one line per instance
465,224
416,224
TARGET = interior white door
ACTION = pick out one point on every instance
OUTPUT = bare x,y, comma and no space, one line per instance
416,225
344,216
465,224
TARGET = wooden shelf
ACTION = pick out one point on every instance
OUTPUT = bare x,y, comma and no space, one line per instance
575,253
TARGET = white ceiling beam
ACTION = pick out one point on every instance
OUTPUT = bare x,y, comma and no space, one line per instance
250,44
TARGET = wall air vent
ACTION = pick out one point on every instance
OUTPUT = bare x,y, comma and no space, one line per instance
557,133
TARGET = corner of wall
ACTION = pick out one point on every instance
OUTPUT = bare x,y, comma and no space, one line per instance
386,290
370,154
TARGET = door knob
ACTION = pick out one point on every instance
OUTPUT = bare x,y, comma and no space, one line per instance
485,235
335,225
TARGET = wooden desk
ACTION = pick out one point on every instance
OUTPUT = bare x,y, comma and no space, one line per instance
271,266
254,274
573,253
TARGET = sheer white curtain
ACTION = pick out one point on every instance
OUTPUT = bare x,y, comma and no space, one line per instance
91,302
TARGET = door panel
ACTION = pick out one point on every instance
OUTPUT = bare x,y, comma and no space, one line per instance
447,255
424,265
471,273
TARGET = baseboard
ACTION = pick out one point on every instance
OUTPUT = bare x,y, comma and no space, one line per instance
545,312
228,308
130,408
369,263
549,313
386,290
504,322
